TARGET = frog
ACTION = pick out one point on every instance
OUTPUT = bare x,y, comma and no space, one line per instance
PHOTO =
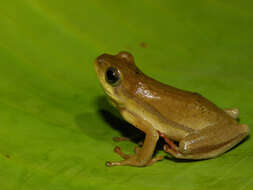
193,128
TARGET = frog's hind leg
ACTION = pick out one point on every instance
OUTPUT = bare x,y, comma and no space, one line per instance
233,112
208,144
170,144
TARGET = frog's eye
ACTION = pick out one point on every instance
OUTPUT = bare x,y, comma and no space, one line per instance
112,76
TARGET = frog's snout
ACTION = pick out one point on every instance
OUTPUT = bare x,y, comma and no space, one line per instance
102,58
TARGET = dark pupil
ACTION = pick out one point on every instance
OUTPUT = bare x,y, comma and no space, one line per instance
112,76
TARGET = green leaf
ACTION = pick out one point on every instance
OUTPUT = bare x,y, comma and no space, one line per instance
56,127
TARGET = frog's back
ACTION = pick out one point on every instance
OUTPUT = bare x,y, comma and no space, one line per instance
183,107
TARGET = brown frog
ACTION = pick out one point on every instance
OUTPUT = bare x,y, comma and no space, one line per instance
201,129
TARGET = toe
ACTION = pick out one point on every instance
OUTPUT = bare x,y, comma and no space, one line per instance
118,150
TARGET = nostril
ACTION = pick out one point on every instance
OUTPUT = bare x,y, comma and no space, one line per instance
100,60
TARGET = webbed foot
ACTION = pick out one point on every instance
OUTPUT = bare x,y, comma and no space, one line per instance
132,160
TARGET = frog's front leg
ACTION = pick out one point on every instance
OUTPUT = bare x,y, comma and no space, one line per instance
143,156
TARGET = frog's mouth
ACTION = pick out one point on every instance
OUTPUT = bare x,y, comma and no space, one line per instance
108,93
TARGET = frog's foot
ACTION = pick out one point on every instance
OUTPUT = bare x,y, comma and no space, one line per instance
176,153
169,142
128,161
137,150
155,159
132,160
170,147
127,157
233,112
118,150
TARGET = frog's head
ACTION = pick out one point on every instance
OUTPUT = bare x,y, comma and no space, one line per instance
118,75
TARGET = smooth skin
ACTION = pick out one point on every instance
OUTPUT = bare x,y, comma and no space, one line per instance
201,129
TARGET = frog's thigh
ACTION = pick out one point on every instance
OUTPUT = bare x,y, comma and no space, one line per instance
211,141
233,112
